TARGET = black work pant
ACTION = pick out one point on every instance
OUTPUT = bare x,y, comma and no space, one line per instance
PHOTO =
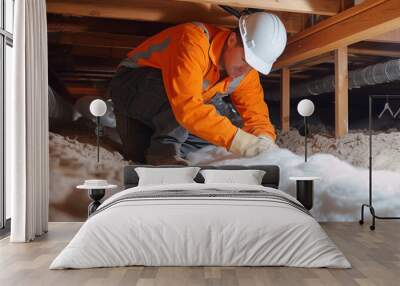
145,119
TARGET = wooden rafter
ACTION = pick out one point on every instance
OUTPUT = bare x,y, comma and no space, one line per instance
149,10
61,23
341,92
72,62
91,39
366,20
278,76
377,49
320,59
321,7
159,11
375,52
57,51
346,4
285,100
77,91
390,37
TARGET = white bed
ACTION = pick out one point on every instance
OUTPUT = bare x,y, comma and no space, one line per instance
183,230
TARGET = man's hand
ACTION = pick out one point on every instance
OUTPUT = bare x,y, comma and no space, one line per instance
271,143
248,145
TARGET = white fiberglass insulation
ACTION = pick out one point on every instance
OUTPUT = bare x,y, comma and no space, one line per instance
341,163
72,162
342,189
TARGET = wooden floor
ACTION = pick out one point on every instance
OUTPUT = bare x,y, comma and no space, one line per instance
375,257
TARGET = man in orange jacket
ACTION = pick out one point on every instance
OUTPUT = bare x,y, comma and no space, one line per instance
169,81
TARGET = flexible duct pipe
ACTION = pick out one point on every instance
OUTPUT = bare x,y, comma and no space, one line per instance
371,75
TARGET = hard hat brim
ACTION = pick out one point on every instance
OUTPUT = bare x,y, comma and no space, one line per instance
255,62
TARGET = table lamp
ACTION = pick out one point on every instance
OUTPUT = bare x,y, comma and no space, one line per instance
98,108
305,108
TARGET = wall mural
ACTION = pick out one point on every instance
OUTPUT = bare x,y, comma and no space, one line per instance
137,125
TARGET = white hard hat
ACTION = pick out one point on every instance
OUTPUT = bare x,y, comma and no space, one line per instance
264,39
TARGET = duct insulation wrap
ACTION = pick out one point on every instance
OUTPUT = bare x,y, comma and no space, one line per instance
371,75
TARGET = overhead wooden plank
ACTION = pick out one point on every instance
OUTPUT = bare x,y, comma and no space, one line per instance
279,76
159,11
390,37
149,10
320,59
71,62
91,52
366,20
78,91
61,23
285,100
85,74
341,92
321,7
346,4
345,15
91,39
375,52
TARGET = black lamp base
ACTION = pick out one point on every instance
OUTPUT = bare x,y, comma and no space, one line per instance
96,195
305,193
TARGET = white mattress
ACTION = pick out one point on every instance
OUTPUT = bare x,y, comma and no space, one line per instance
200,231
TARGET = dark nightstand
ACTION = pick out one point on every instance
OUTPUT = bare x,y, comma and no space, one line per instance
305,190
96,190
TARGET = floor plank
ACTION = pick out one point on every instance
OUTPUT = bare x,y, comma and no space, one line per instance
375,257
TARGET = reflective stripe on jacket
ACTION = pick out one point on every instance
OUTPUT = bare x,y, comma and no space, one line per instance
188,55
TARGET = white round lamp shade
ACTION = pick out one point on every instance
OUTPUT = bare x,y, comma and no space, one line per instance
305,107
98,107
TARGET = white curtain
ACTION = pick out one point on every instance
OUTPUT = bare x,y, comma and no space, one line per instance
27,152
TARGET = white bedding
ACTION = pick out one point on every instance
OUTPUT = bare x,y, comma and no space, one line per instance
187,231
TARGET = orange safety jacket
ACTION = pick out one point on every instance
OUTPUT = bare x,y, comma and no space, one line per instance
188,56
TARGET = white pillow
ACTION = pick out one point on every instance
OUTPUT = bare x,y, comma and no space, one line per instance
162,176
248,177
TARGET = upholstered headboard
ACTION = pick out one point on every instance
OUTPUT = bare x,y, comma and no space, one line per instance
270,179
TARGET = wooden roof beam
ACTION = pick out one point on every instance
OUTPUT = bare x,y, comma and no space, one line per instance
366,20
390,37
159,11
320,7
62,23
91,39
150,10
375,52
